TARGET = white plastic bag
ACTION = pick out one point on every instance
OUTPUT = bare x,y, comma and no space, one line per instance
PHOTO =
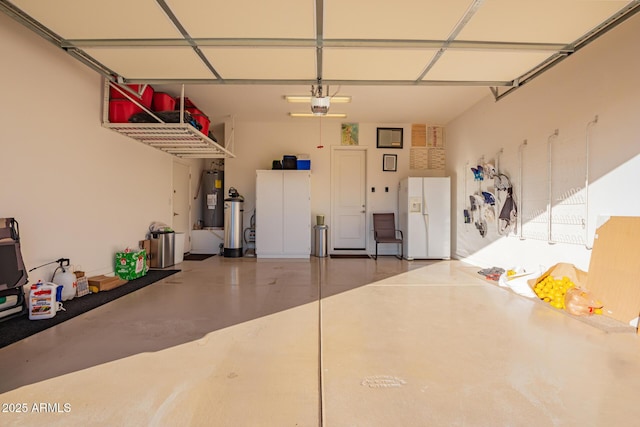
517,281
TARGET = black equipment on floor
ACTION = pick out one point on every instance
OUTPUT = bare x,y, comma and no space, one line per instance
13,274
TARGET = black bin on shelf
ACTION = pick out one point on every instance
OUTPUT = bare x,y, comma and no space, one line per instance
289,162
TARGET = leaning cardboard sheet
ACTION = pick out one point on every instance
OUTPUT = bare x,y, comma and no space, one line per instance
614,268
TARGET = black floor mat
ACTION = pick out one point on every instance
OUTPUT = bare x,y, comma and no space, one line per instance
349,256
18,328
197,257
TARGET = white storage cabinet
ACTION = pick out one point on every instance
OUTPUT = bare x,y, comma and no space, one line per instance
283,214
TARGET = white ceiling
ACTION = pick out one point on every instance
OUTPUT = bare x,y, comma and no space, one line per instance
417,61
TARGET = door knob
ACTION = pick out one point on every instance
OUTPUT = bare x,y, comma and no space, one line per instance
175,214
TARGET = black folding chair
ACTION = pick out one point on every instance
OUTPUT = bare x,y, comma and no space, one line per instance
13,274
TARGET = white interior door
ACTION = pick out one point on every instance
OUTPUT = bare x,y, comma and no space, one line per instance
181,203
349,228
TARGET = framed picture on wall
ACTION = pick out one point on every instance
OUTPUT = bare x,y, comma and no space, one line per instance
389,162
389,138
349,134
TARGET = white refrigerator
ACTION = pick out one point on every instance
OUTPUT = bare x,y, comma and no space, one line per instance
425,217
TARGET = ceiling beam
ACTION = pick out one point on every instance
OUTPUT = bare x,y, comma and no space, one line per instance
305,82
473,8
174,19
343,43
319,37
448,44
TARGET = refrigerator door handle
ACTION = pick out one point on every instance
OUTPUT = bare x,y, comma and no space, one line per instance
425,217
425,208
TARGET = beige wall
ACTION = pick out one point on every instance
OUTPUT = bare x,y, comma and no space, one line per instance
258,144
79,191
600,80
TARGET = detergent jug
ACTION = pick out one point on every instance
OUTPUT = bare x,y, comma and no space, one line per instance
42,301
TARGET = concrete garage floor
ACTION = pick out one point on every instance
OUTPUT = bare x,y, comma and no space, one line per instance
332,342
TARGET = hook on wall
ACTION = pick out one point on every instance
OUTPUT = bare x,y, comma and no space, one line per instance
497,161
520,167
521,146
586,184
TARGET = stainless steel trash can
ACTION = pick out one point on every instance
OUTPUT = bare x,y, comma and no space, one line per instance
320,247
163,244
233,211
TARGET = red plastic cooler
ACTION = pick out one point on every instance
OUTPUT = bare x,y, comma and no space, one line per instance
145,98
163,102
121,109
201,118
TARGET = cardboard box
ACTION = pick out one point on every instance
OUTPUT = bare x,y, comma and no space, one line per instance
104,283
614,268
